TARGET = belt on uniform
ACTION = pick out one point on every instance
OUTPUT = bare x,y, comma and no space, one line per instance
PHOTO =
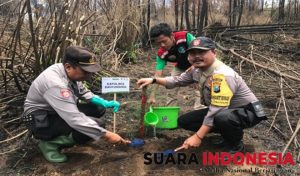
36,119
28,120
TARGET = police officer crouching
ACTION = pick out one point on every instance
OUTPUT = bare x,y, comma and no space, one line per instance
231,105
52,112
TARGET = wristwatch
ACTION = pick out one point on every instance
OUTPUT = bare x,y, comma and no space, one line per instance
153,80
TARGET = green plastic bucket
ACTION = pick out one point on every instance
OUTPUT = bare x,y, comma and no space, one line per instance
167,116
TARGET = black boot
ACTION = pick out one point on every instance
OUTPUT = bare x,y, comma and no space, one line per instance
233,148
218,142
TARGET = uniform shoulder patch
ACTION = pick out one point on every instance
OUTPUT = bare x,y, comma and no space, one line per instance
221,94
65,93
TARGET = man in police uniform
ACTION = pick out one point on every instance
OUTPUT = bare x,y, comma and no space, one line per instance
232,106
52,112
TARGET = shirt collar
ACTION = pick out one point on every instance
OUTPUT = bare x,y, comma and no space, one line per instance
63,73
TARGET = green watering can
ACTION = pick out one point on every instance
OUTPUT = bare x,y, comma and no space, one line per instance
151,118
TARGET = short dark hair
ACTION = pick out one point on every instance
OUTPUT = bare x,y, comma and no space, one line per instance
73,64
160,29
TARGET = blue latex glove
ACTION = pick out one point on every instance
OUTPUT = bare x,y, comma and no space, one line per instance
96,100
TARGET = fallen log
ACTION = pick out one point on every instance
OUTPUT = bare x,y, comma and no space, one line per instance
231,50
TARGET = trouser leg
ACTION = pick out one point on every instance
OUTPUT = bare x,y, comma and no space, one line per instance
89,110
92,110
56,133
58,127
231,122
192,120
229,125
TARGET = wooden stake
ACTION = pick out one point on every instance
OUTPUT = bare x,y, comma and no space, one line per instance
115,99
143,106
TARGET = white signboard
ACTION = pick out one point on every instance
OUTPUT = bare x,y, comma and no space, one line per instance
115,84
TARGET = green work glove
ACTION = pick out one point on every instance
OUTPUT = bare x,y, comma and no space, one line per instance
96,100
114,104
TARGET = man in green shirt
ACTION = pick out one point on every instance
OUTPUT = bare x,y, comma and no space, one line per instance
172,49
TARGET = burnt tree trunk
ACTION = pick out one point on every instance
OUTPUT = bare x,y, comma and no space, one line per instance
234,10
296,12
145,24
198,13
176,14
206,16
187,19
148,13
230,12
272,9
281,11
240,12
251,5
182,11
262,5
194,14
202,17
164,6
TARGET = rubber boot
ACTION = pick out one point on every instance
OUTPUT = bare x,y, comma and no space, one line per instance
50,149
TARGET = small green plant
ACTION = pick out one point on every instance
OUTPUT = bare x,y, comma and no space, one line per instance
131,55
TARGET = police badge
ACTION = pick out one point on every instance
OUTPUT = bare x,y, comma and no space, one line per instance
216,88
